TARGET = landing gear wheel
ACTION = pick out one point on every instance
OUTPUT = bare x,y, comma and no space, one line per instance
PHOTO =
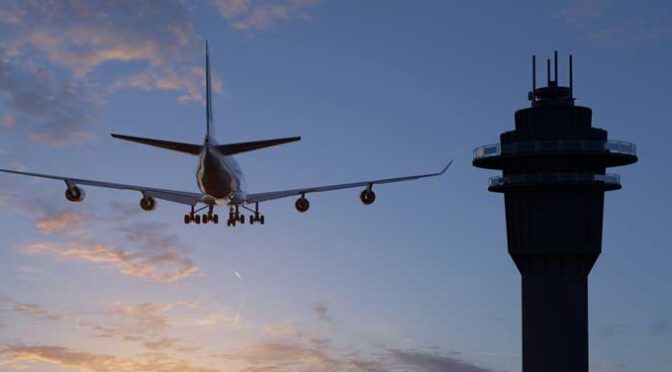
197,219
261,219
241,219
215,219
187,219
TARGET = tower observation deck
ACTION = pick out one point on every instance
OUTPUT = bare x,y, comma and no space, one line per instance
553,180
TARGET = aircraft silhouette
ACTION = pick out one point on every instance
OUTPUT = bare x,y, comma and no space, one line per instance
219,177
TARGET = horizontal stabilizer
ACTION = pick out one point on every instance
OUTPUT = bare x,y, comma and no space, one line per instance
236,148
175,146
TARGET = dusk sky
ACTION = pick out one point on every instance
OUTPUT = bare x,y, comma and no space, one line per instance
419,281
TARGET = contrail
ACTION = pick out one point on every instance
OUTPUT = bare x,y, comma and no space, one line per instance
240,307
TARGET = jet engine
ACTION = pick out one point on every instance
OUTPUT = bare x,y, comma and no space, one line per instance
367,196
147,203
302,204
75,194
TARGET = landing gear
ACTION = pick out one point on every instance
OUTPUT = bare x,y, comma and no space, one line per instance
196,218
256,217
235,217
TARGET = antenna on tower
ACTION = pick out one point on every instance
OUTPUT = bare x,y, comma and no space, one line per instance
555,58
571,78
548,72
534,79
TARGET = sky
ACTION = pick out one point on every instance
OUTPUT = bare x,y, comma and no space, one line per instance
419,281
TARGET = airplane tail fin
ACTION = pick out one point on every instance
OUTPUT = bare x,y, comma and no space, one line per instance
175,146
236,148
208,93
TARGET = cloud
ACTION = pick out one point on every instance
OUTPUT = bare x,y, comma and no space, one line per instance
231,8
20,356
163,265
268,356
153,325
292,331
578,11
51,48
150,251
50,52
36,311
263,17
322,310
8,121
431,362
602,22
62,222
661,327
61,110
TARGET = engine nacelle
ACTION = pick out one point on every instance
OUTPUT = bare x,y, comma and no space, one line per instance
75,194
147,203
367,196
302,204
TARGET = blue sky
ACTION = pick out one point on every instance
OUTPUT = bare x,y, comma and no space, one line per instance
419,281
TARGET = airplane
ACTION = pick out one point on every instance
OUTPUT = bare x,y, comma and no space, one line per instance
219,178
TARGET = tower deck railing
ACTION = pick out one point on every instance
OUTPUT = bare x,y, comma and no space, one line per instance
567,146
554,178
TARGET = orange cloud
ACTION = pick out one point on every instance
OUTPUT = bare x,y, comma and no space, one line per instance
164,266
61,222
19,356
36,311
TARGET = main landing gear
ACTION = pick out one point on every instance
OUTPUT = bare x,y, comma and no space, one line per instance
196,218
235,217
256,217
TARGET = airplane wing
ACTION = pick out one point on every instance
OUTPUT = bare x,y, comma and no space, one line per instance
182,197
266,196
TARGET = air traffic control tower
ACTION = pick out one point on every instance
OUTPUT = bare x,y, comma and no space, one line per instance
553,180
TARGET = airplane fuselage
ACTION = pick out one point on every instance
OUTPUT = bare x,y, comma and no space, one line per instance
219,176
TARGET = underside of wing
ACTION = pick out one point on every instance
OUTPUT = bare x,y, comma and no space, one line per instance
182,197
266,196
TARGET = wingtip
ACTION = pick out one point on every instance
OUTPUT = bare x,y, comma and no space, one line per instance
447,166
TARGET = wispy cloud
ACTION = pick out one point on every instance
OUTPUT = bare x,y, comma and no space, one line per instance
661,327
433,362
60,110
265,16
578,11
51,50
8,121
19,356
321,309
231,8
150,250
164,264
36,312
61,222
616,23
